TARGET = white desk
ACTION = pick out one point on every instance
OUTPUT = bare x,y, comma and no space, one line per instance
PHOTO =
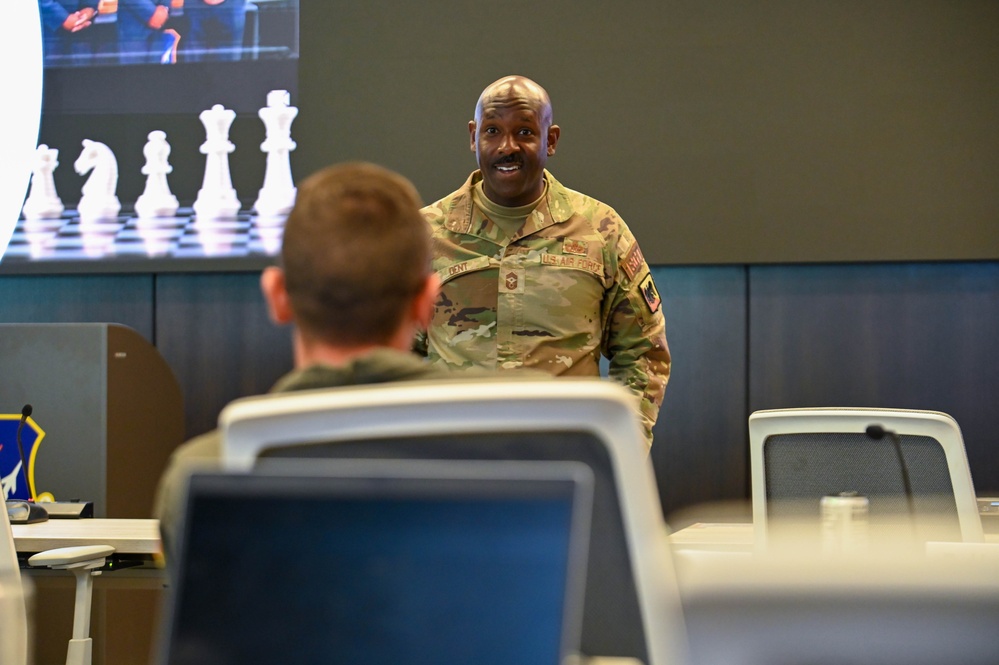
714,537
127,536
730,537
135,564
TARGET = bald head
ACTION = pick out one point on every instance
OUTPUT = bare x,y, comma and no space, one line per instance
515,90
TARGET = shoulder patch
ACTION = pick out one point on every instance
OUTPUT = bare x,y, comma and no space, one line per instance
633,261
650,293
577,247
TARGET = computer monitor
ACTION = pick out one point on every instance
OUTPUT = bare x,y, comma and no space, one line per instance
365,561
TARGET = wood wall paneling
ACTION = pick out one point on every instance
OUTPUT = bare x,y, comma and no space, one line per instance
214,332
699,449
124,299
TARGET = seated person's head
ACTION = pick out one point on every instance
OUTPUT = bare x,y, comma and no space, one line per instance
355,260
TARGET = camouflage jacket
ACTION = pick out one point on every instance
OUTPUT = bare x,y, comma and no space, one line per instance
572,284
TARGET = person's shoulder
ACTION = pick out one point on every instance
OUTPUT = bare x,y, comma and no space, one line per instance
438,211
206,447
583,204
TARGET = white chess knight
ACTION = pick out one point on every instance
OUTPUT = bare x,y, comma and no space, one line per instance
156,199
277,196
43,201
217,197
99,200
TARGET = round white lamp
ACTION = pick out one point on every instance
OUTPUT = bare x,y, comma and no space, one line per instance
21,86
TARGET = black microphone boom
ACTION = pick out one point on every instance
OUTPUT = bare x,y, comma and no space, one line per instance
877,432
25,412
25,512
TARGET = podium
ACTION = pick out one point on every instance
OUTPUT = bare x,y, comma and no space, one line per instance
109,405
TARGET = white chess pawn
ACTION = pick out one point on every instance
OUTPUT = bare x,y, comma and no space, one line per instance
156,199
99,200
217,198
277,196
43,201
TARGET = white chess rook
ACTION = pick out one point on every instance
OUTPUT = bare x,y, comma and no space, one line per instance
216,199
156,199
277,196
43,201
99,200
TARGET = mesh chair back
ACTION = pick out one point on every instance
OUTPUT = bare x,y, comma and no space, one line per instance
612,622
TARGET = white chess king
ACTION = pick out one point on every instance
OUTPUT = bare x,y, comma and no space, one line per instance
43,201
277,196
217,197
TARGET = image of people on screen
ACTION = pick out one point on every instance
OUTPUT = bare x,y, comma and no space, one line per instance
82,33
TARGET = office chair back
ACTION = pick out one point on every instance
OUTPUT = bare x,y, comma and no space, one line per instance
631,607
910,465
13,614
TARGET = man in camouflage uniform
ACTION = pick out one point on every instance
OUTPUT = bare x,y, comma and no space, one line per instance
535,275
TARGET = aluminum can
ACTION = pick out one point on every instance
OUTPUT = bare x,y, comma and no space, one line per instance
844,522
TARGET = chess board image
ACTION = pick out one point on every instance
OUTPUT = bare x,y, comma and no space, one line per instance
128,242
155,233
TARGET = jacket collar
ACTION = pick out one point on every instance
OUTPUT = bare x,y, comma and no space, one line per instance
466,218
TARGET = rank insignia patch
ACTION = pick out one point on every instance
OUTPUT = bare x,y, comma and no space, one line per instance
650,293
512,281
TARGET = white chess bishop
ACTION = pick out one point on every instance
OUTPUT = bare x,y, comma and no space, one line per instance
43,201
277,196
217,198
99,200
156,199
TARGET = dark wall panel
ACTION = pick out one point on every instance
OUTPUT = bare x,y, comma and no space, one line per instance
699,449
919,336
213,330
124,299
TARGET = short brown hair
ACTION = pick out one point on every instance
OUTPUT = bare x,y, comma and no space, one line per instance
355,252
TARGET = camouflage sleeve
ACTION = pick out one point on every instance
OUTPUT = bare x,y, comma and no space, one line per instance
420,343
634,338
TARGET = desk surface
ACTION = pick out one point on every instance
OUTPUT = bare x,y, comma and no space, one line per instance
127,536
714,536
730,537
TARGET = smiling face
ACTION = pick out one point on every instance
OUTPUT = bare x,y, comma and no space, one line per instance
512,137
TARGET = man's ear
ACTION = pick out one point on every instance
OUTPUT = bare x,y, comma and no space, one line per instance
425,300
553,133
272,285
471,134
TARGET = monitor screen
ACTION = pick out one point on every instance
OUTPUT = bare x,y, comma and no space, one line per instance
341,569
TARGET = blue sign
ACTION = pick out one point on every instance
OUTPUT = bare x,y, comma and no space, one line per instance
17,482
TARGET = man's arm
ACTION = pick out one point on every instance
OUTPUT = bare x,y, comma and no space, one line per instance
153,13
634,338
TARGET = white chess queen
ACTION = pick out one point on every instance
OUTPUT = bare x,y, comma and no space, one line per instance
217,198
